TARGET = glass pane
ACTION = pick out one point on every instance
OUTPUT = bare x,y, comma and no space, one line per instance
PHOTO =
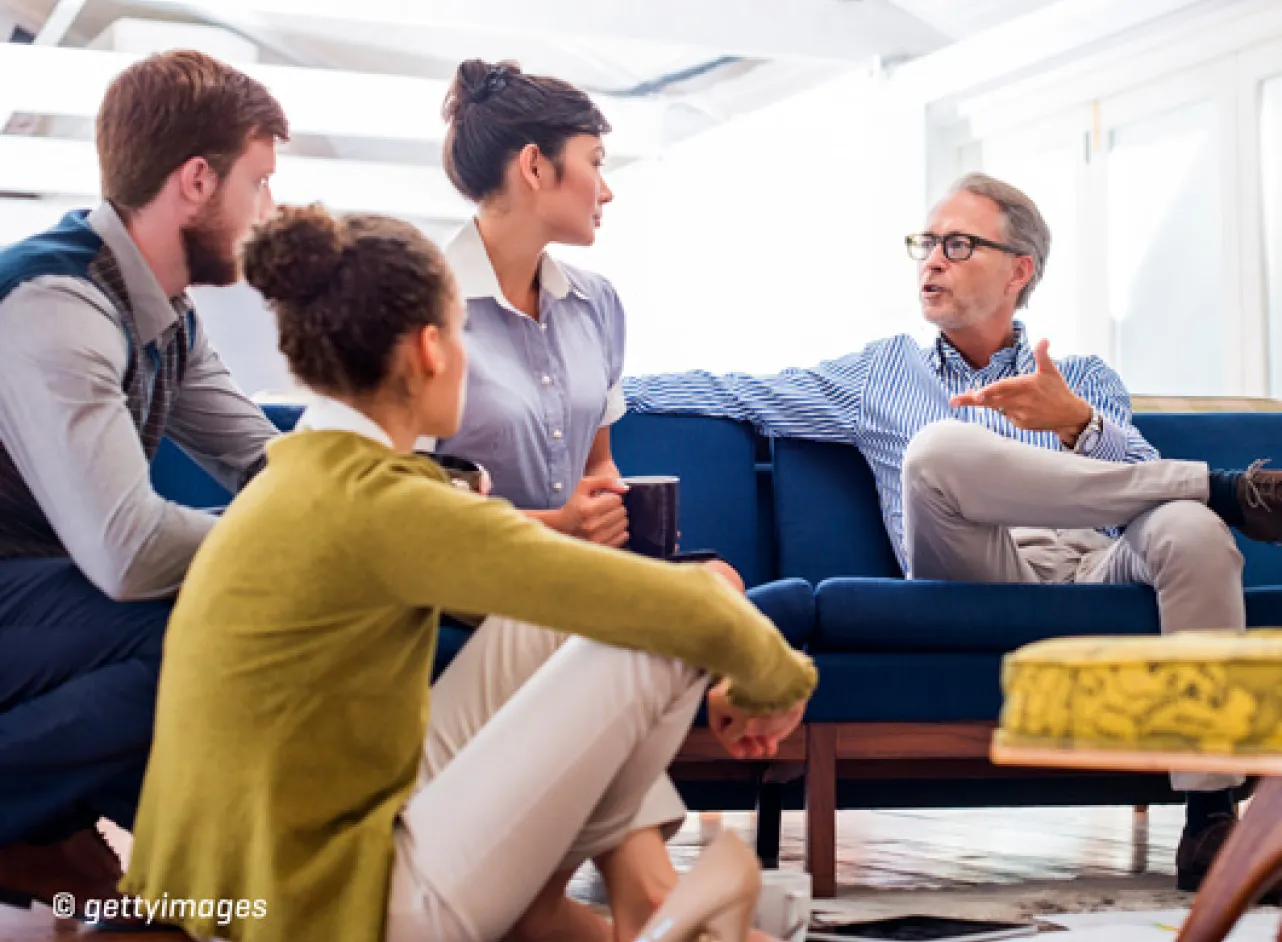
1051,179
1164,241
1271,161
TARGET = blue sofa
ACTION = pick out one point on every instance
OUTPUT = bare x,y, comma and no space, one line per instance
909,671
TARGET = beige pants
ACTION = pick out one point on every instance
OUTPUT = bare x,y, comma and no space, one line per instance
542,753
982,508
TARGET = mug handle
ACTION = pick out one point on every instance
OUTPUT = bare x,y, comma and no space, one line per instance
802,923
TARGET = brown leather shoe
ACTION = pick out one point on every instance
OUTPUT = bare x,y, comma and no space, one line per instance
1259,495
83,865
1197,852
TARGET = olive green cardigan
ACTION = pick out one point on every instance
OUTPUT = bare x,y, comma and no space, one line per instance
293,697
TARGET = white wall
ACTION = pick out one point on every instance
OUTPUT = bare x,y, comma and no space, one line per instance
20,218
243,330
773,240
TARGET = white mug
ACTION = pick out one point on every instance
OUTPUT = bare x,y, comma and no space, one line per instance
783,909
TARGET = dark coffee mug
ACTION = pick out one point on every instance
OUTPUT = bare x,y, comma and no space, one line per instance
651,503
463,472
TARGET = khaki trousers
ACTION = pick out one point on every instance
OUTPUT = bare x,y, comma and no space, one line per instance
982,508
542,752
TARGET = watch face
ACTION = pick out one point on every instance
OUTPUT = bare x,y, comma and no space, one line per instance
1090,435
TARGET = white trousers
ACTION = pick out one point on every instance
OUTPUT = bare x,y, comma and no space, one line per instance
982,508
541,753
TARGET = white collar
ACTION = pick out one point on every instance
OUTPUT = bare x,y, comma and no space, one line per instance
329,415
475,275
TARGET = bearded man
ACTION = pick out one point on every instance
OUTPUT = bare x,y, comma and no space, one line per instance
101,356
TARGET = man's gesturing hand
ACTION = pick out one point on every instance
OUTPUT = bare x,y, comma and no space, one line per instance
1038,402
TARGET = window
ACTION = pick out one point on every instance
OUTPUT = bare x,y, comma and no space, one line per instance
1165,271
1271,179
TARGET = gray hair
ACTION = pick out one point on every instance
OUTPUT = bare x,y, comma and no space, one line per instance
1026,230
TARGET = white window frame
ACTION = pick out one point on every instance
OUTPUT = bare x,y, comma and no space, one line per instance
1255,66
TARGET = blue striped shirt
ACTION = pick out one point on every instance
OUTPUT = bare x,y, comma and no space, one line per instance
879,398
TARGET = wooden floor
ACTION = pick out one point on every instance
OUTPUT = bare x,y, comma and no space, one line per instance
996,863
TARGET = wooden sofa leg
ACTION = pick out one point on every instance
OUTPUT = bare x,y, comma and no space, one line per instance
821,809
769,822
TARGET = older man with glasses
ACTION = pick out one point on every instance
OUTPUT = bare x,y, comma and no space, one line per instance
996,463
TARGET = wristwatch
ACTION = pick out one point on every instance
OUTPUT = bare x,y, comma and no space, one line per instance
1089,440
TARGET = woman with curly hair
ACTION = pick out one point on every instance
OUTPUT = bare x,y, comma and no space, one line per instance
287,796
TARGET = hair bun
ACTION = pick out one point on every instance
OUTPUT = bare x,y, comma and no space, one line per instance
475,81
294,255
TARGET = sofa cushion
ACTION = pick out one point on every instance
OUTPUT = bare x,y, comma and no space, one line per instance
906,687
179,479
176,477
827,518
855,614
716,462
284,415
1224,440
790,604
1264,606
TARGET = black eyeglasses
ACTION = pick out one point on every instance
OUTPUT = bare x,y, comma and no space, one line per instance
958,246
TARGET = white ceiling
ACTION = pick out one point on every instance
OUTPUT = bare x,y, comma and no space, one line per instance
962,18
619,47
662,70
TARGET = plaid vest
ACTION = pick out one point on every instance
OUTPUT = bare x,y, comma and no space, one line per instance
153,373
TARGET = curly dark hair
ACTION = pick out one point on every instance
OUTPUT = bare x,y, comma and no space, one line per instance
495,110
346,290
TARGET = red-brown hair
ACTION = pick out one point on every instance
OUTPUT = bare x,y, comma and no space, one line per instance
163,111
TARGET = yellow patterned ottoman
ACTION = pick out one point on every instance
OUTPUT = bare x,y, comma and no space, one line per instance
1195,701
1182,703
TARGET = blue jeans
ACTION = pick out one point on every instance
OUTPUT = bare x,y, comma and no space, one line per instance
78,676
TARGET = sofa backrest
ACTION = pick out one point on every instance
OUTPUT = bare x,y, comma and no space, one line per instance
176,477
824,519
827,518
1224,440
716,461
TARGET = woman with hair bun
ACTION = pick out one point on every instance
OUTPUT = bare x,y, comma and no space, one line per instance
546,339
287,796
546,345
